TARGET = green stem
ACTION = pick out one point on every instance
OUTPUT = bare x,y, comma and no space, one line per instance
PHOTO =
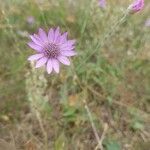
106,37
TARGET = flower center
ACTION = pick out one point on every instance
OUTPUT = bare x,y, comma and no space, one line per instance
51,50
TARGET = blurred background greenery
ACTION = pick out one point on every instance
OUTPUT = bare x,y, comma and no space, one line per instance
114,80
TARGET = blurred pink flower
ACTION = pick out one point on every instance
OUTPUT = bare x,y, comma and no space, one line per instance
51,49
102,3
136,6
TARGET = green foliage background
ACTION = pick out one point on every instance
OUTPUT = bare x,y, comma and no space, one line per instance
114,80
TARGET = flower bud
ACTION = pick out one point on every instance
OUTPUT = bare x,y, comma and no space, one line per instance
136,6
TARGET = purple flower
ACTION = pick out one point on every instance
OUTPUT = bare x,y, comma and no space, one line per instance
52,49
102,3
147,23
136,6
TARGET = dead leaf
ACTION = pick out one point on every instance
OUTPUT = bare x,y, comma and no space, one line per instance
73,99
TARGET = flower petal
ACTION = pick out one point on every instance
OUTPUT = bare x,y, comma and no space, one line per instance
69,43
35,40
38,39
51,35
63,38
49,66
57,34
68,53
41,62
55,64
67,48
64,60
43,35
35,46
35,57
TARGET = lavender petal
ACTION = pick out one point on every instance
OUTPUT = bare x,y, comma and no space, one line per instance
51,35
35,57
41,62
43,35
55,64
35,46
63,38
68,53
64,60
49,66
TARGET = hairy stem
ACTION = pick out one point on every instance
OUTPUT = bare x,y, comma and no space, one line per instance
107,36
93,125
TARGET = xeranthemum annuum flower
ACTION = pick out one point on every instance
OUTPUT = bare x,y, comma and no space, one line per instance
102,3
136,6
52,49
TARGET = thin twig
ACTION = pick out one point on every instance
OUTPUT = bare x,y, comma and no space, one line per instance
102,137
92,124
87,108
